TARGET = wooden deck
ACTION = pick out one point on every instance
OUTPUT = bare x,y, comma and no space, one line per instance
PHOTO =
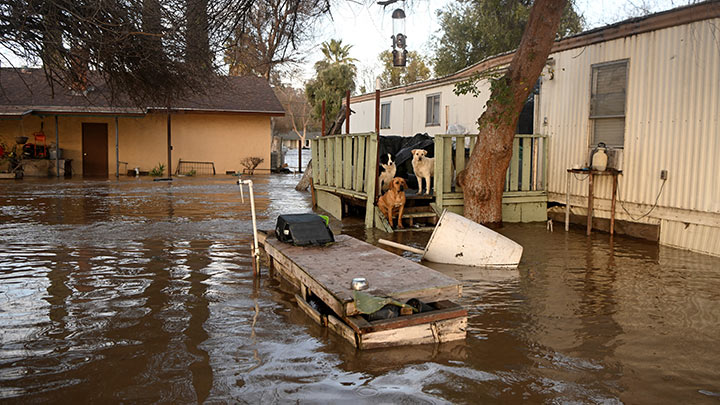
346,172
325,273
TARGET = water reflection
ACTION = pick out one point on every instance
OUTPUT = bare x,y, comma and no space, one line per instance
135,291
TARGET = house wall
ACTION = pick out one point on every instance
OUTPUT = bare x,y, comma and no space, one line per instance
671,123
224,139
463,110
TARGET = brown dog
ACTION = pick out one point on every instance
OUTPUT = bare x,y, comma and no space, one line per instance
394,200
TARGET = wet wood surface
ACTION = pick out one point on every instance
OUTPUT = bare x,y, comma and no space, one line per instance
328,271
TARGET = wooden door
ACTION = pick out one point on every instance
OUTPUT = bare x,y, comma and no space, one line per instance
95,149
407,117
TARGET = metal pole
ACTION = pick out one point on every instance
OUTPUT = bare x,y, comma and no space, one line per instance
347,112
254,247
377,112
169,145
323,118
300,146
117,149
57,148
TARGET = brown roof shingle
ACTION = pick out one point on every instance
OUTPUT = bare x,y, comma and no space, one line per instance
24,91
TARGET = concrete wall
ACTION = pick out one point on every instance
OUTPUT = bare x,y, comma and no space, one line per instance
224,139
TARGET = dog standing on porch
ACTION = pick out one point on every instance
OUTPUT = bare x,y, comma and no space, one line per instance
424,168
387,175
393,201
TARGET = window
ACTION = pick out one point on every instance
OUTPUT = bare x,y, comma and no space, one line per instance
607,103
385,115
432,110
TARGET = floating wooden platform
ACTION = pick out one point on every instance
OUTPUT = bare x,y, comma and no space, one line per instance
324,274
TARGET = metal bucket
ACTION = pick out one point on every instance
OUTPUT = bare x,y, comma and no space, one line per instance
458,240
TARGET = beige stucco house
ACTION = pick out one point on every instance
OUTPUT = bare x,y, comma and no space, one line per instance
104,138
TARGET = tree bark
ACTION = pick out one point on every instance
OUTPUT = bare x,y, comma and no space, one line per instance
484,178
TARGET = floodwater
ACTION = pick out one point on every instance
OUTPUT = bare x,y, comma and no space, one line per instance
142,292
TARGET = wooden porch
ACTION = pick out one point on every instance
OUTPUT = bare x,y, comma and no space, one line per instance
345,172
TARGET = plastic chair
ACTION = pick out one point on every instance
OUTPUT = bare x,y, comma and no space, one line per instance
40,137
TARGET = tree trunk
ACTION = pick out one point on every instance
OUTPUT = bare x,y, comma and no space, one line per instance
484,178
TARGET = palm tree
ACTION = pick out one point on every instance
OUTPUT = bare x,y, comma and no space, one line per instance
337,53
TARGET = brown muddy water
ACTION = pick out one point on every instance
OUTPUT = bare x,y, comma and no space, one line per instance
136,291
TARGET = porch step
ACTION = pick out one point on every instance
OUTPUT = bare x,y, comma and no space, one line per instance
424,214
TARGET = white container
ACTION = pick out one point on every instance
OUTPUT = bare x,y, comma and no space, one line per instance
458,240
599,160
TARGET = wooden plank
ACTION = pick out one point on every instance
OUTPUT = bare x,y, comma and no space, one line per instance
410,320
370,179
459,158
330,203
360,145
340,191
439,167
473,142
347,162
286,266
526,164
436,332
514,175
316,160
337,162
447,172
337,326
321,163
328,271
310,311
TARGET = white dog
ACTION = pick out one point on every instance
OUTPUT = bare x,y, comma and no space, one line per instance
424,168
389,173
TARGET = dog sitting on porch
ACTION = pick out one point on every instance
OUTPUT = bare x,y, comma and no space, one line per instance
394,201
388,174
424,168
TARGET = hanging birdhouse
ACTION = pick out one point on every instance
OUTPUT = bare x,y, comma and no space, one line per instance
399,39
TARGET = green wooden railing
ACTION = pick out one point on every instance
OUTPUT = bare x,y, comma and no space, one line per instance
526,175
345,165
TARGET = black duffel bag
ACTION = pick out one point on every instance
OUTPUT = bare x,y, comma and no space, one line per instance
303,230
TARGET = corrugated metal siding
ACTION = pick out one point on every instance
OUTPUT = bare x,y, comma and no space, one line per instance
463,110
671,116
699,238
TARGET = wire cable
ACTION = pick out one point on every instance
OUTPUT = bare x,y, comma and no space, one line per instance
662,186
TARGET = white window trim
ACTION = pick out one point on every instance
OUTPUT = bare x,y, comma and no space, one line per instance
389,104
591,137
429,123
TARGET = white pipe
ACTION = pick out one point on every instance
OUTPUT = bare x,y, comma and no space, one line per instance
256,251
401,246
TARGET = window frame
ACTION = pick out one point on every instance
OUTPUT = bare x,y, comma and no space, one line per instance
384,125
595,118
428,119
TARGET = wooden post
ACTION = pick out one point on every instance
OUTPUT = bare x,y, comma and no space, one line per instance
300,146
377,112
169,145
612,204
567,202
117,149
447,109
347,112
590,202
57,148
370,180
323,119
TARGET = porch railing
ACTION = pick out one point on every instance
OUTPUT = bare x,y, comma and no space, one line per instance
526,175
345,165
